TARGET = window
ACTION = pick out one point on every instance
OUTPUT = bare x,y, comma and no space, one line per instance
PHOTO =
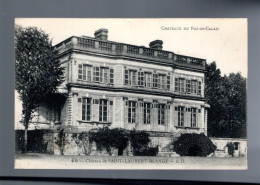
103,110
126,76
87,73
132,77
155,80
96,73
176,85
147,113
188,86
193,86
161,114
140,78
111,76
193,117
80,71
199,88
148,80
131,111
168,82
162,81
181,85
86,109
103,75
180,116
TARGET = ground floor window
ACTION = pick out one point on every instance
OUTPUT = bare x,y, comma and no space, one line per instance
147,113
180,116
86,109
131,112
193,117
103,110
161,114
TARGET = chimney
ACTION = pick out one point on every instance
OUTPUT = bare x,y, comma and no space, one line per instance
156,44
101,34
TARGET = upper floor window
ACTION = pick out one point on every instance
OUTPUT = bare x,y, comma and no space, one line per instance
193,86
103,75
130,77
162,81
161,114
100,74
147,113
155,80
187,86
148,80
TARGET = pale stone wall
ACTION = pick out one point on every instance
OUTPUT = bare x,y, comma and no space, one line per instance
222,142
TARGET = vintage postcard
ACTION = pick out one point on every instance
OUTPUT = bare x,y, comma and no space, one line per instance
130,93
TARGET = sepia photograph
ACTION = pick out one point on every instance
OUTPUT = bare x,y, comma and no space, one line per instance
118,93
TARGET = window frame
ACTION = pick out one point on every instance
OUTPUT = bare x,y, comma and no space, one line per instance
103,108
161,111
147,113
131,112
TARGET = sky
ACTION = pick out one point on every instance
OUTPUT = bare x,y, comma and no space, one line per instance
226,45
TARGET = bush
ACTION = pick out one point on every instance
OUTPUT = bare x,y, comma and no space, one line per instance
61,141
192,144
35,141
139,142
231,148
107,139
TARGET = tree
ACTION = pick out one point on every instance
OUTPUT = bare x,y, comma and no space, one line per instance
227,98
37,70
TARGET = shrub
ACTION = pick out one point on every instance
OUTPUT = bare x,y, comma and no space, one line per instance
139,142
61,141
107,139
35,141
192,144
231,148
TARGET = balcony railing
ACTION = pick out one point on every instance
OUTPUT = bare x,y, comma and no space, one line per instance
126,49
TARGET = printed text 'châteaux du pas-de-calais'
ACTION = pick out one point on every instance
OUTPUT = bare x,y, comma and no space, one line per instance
189,28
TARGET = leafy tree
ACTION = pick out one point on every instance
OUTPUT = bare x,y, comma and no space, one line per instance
227,98
37,70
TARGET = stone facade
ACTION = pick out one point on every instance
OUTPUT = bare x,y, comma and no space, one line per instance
131,87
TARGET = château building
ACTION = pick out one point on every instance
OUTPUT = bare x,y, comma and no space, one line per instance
127,86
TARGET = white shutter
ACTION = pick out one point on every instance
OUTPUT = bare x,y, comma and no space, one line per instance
79,107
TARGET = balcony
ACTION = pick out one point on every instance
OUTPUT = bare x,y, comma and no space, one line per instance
93,45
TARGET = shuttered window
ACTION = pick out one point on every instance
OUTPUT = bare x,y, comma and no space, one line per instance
131,112
126,77
176,85
85,108
199,88
96,73
111,75
103,111
188,86
155,80
80,71
161,114
180,116
148,80
103,75
162,81
168,82
147,113
193,86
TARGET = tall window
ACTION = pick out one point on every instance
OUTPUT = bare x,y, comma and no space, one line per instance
131,111
161,114
147,113
103,110
155,80
193,117
103,75
86,109
96,73
188,86
199,88
193,86
111,75
162,81
180,116
148,79
87,73
182,84
132,77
